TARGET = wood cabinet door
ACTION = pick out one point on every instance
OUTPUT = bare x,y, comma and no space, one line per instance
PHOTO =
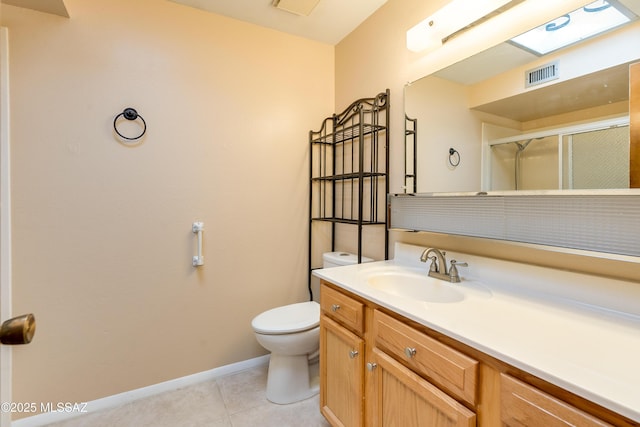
341,375
401,398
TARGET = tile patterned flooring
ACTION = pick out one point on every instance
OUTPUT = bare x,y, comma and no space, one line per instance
236,400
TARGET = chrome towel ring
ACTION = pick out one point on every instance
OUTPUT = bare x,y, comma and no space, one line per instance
129,114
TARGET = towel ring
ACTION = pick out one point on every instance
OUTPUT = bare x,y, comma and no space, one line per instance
129,114
454,157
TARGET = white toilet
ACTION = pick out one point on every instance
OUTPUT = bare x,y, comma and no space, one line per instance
292,334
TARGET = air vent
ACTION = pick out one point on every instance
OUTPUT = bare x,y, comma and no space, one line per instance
297,7
541,74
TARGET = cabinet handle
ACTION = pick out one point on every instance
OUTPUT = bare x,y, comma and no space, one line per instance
353,354
410,352
371,366
335,307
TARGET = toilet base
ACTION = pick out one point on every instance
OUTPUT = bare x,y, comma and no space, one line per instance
291,379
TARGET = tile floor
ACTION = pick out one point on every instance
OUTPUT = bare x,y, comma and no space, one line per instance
236,400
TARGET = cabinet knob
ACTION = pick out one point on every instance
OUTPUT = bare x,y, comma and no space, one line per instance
410,352
335,307
353,354
371,366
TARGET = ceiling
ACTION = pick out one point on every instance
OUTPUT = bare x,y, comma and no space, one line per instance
329,22
55,7
608,86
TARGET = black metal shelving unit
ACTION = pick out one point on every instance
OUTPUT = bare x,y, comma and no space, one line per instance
411,155
349,166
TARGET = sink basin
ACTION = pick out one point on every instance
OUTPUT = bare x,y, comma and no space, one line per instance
415,286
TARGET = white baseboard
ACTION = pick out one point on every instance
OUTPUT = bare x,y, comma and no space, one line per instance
130,396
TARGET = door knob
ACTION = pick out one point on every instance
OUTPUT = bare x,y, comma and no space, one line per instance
18,330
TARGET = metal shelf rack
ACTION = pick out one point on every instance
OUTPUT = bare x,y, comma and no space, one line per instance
349,164
411,157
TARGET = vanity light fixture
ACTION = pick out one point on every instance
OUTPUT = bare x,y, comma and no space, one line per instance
456,15
588,21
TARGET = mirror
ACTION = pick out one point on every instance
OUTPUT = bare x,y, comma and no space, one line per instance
476,127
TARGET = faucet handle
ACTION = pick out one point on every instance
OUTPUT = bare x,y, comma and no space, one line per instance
434,264
453,271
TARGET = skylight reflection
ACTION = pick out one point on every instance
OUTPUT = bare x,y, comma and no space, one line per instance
592,19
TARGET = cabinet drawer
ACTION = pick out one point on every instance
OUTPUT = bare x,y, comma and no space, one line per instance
442,365
524,405
342,308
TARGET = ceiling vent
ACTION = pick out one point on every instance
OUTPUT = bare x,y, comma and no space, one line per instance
542,74
298,7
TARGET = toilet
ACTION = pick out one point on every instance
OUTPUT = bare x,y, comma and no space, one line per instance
292,334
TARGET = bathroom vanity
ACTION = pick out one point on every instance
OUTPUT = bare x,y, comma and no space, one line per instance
512,344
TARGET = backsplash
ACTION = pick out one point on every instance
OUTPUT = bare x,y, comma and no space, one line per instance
592,221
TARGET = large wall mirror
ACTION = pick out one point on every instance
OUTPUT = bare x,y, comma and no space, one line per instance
510,118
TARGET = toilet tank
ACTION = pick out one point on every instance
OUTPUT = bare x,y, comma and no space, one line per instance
336,259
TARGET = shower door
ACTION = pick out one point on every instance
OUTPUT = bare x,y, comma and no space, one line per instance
589,156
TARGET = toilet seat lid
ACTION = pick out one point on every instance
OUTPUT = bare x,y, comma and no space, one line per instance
288,319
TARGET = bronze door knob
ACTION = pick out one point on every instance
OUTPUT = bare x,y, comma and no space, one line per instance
18,330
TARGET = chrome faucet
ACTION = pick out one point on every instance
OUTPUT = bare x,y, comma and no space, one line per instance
438,267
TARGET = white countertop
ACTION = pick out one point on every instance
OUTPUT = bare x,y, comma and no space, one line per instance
577,331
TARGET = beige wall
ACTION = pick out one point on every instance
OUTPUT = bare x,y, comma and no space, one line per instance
375,57
102,240
447,123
